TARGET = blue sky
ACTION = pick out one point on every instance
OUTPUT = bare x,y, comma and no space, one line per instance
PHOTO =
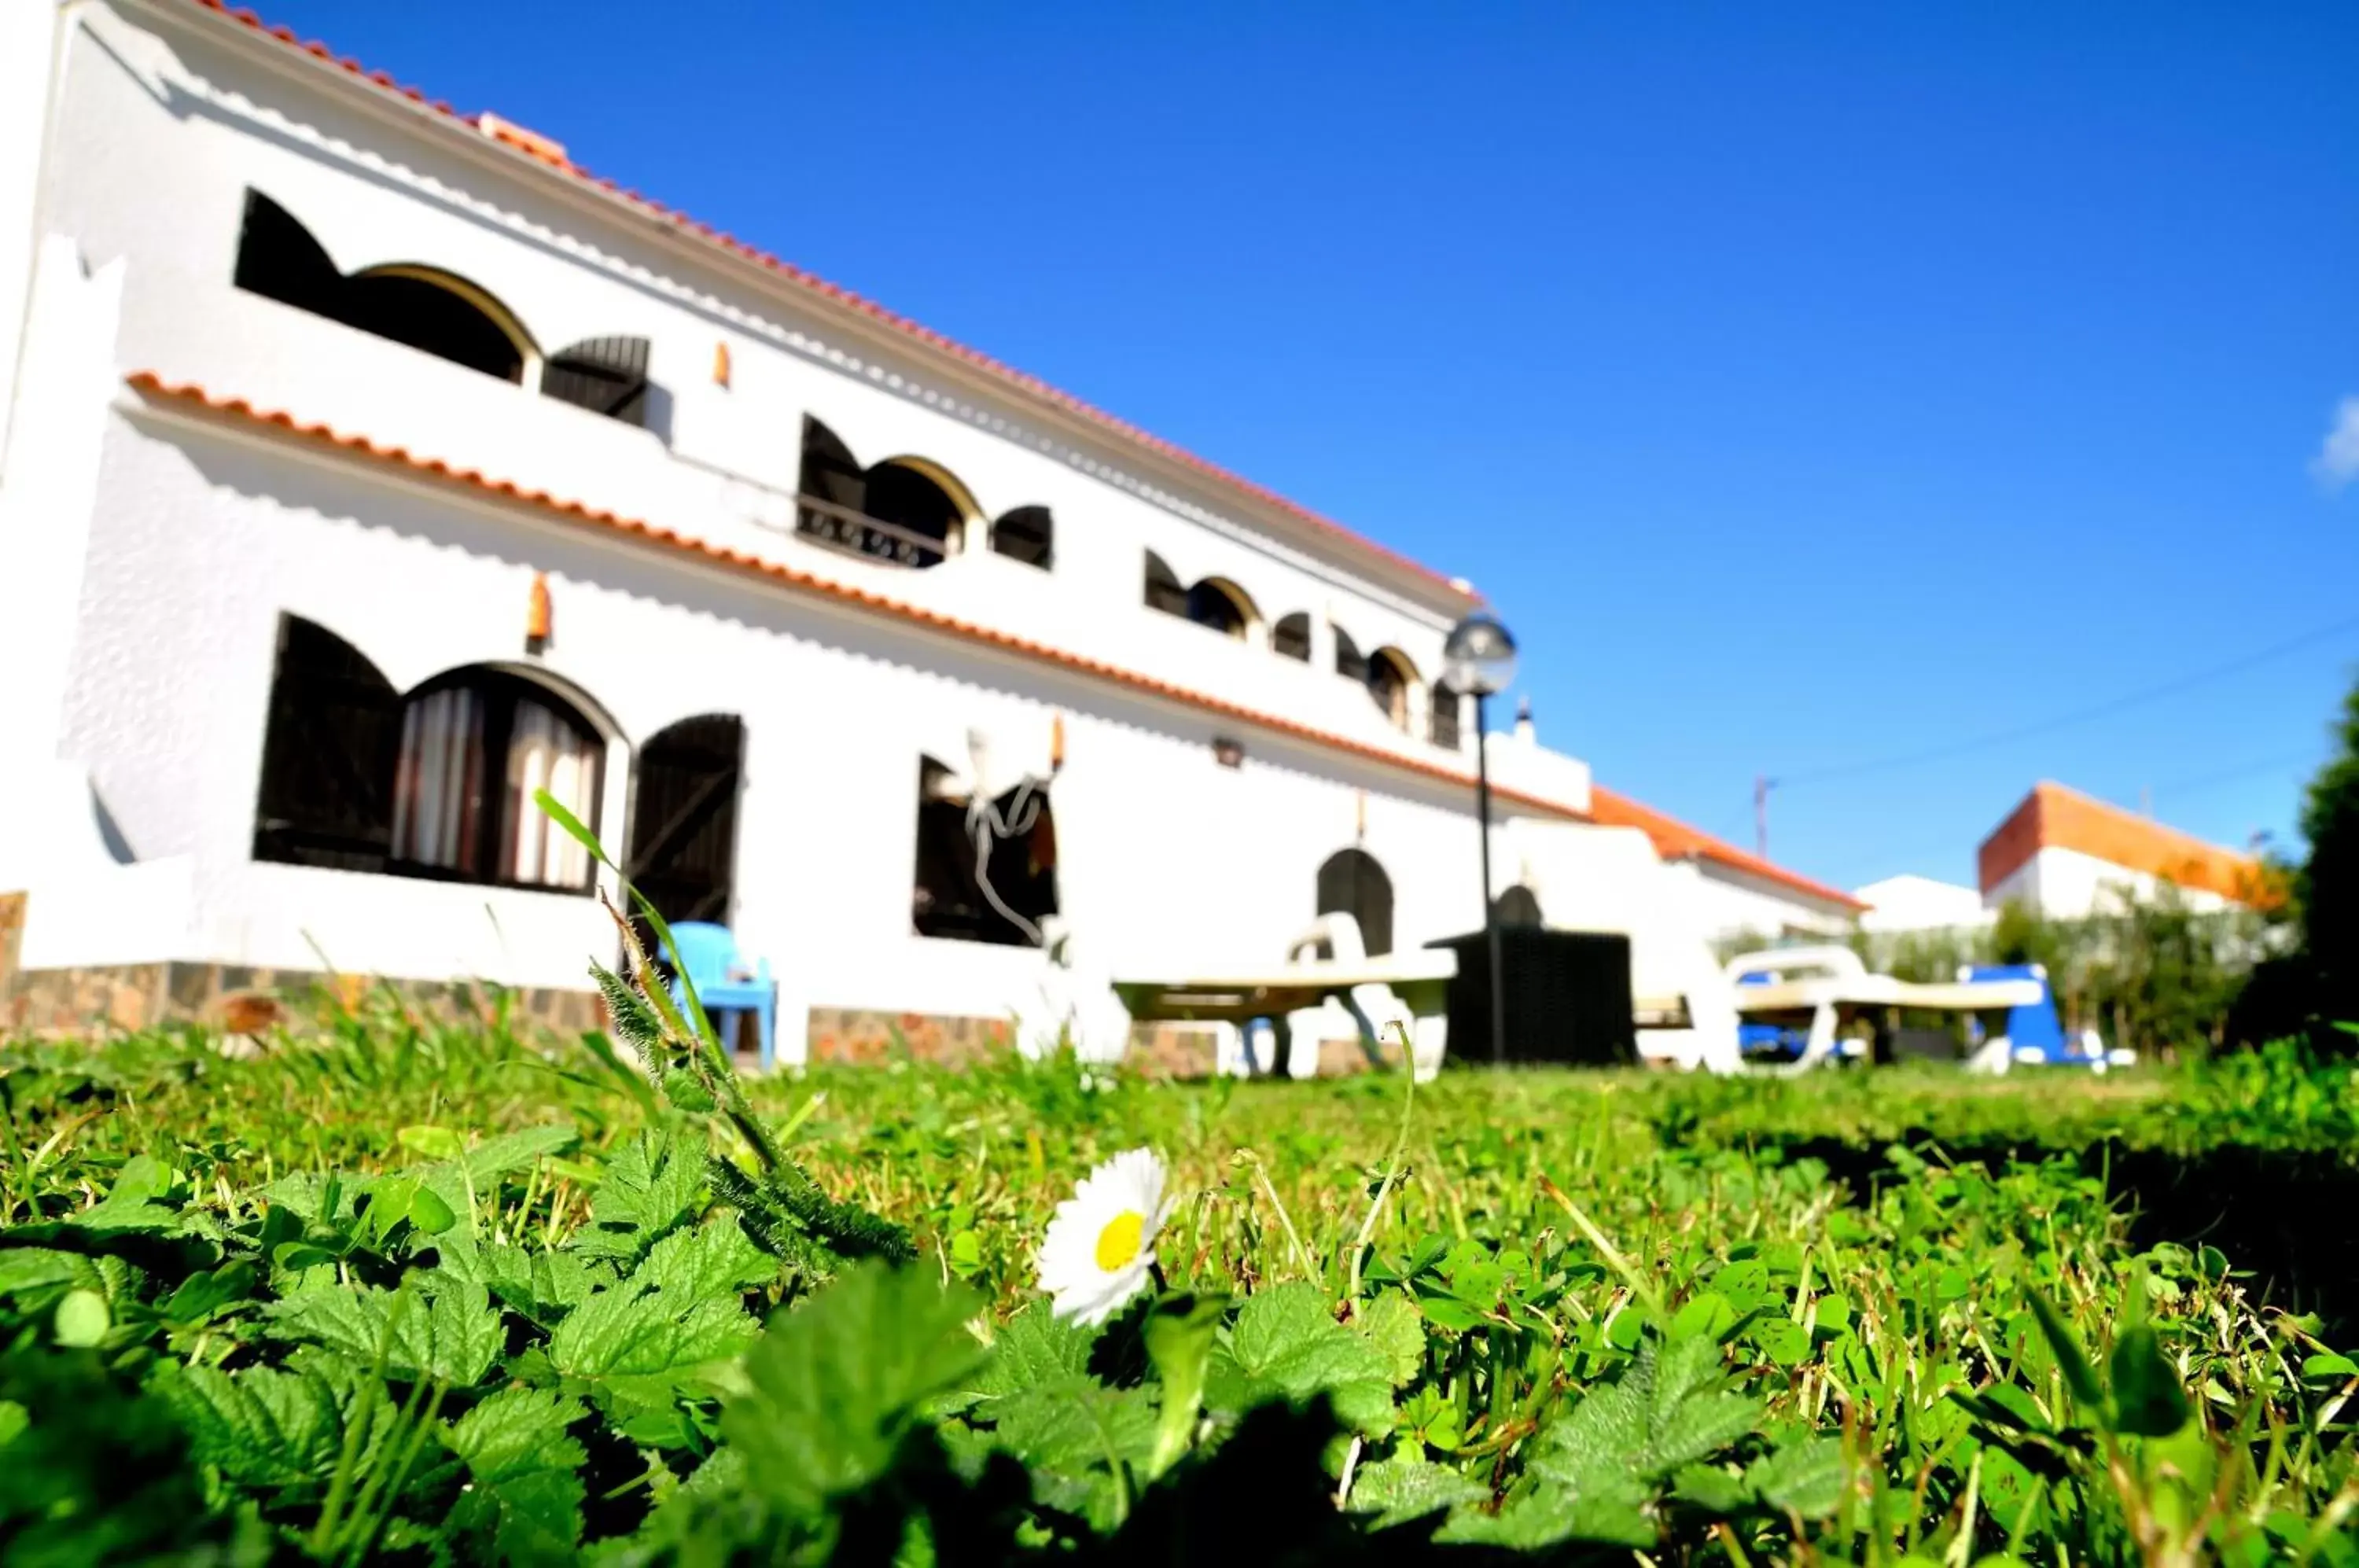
1806,385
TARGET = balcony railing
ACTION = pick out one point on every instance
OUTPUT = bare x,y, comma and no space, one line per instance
871,538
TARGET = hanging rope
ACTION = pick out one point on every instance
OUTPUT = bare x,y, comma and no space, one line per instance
985,822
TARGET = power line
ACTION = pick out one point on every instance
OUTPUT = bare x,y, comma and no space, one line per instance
2078,716
2185,787
2177,790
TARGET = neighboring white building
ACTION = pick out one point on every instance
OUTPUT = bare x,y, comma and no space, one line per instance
1908,903
2065,854
367,467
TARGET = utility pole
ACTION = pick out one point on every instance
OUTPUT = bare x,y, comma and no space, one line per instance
1762,784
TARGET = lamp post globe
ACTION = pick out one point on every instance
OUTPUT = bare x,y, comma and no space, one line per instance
1479,657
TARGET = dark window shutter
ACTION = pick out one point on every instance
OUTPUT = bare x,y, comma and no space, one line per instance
1291,636
829,473
684,818
1444,727
606,375
1164,592
327,754
278,258
1026,534
1349,662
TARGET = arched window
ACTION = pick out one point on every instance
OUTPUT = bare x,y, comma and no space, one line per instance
1026,534
1221,604
1443,725
327,754
913,502
901,510
683,849
947,898
424,307
476,745
606,375
1349,662
439,783
1164,592
439,312
1519,906
1390,676
1353,883
1291,636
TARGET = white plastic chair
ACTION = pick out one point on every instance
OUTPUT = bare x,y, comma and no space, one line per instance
1372,1013
1076,1002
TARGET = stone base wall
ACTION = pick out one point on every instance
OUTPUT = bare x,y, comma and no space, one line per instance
12,939
861,1037
244,1000
1170,1050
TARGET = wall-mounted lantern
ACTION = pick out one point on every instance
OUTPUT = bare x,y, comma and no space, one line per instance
539,617
1228,753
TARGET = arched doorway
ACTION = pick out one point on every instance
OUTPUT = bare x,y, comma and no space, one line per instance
1353,883
1519,906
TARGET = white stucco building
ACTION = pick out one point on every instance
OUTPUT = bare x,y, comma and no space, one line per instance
2066,854
368,466
1908,902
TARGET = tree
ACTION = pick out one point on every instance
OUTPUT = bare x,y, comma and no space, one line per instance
2327,887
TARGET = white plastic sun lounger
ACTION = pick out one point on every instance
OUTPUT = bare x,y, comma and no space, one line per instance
1825,980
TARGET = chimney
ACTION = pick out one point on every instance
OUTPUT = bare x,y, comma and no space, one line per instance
1525,733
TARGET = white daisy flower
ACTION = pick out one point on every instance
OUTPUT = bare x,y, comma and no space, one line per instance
1100,1244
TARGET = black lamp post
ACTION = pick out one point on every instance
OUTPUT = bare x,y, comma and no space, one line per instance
1478,659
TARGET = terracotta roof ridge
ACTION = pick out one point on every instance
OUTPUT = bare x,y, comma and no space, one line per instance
1671,837
1674,838
550,154
2139,819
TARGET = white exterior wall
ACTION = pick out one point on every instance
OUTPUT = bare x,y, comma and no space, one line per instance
1907,903
146,554
1727,902
2066,884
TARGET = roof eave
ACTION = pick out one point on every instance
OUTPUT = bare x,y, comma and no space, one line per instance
870,323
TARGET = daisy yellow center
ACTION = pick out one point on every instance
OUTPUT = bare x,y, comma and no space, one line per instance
1118,1243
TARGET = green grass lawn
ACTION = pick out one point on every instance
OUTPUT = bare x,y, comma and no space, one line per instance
423,1293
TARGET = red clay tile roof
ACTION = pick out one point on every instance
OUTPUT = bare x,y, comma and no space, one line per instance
157,388
550,154
1673,839
2053,817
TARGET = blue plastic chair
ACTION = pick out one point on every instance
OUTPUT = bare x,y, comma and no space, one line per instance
725,984
1759,1041
2032,1028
